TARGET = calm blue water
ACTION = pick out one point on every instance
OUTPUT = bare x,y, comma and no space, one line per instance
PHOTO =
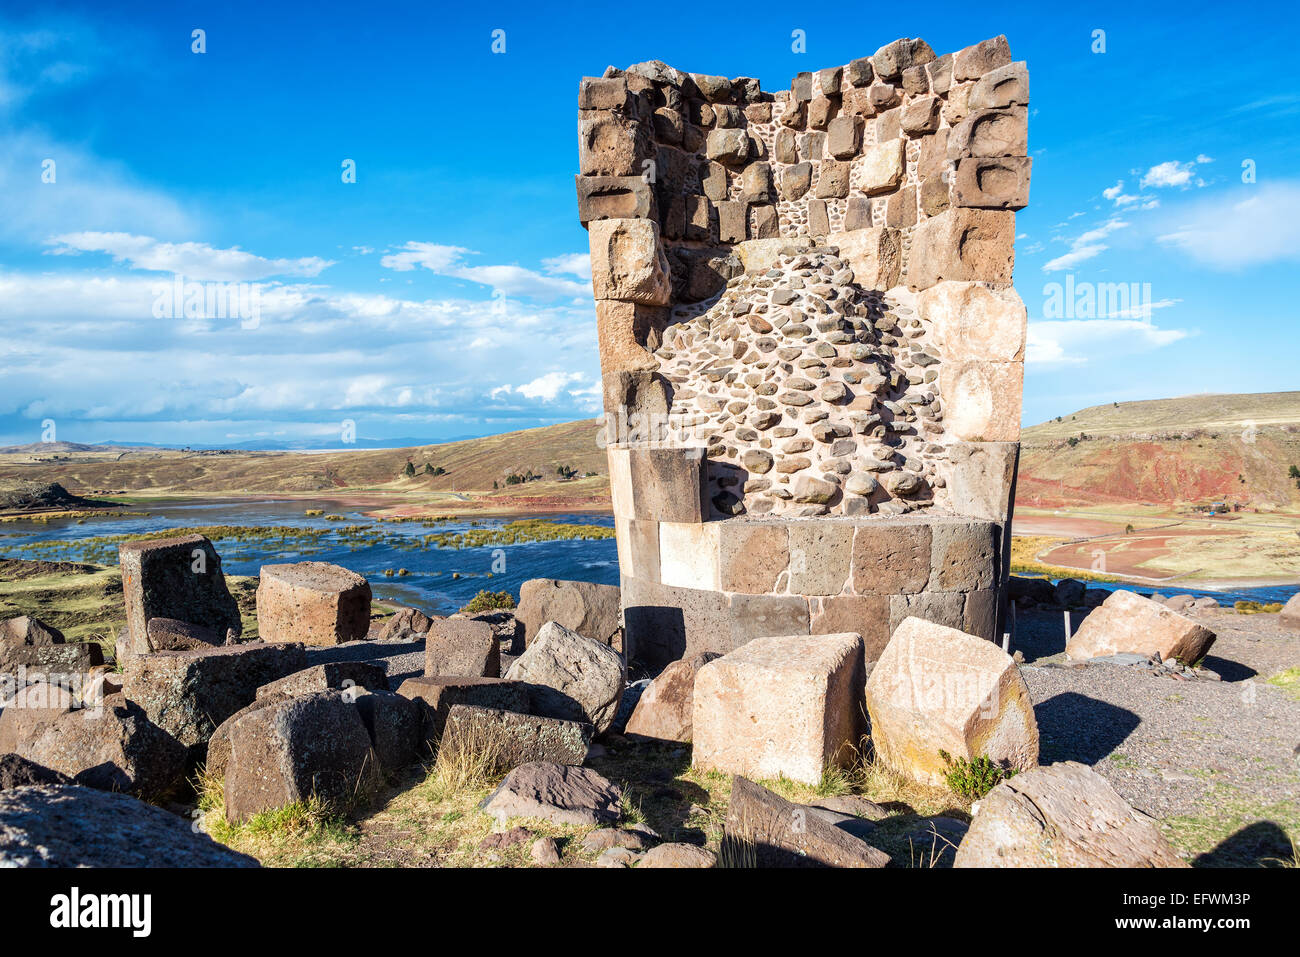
429,586
1278,593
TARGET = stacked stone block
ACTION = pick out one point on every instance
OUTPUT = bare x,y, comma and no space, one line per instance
805,308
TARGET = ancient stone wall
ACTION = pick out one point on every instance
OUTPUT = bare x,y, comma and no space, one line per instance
812,289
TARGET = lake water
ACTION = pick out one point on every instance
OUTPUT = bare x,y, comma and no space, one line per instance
429,584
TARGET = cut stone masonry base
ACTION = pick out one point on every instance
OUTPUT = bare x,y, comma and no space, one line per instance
713,586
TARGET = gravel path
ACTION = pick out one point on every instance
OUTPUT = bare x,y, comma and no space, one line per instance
1214,761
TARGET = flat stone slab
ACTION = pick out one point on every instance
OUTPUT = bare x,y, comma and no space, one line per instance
763,829
79,827
558,793
1062,815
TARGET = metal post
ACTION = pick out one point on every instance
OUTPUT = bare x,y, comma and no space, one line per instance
1067,626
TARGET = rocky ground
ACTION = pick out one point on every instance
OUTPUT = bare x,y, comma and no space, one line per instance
1212,761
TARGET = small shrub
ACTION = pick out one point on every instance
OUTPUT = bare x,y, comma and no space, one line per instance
974,779
489,601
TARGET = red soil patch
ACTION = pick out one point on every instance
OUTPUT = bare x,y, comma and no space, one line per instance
1124,555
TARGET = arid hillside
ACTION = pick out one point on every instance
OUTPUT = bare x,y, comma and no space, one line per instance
468,466
1196,449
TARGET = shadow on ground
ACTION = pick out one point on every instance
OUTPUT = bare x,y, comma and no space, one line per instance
1262,844
1074,727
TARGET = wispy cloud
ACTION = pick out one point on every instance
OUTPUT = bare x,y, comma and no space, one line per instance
1077,341
1085,246
511,280
194,260
1249,225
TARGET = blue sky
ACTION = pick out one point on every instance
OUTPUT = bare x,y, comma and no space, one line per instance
446,292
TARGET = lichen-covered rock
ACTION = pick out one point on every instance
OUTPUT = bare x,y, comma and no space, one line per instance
462,646
509,739
30,643
114,747
189,693
179,578
570,677
1062,815
936,689
339,675
298,748
593,611
79,827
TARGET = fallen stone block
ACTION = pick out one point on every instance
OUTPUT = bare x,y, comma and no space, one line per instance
29,643
293,750
114,747
313,602
678,856
81,827
665,709
1290,617
511,739
462,646
570,677
339,675
593,611
65,659
765,830
555,792
178,578
1062,815
780,706
437,694
25,630
189,693
404,624
395,725
1127,622
936,689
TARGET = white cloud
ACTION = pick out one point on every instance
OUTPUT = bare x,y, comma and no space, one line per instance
1247,226
510,280
548,387
193,260
1174,173
1078,341
1085,246
573,264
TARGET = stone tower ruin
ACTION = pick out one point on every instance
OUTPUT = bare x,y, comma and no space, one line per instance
811,353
